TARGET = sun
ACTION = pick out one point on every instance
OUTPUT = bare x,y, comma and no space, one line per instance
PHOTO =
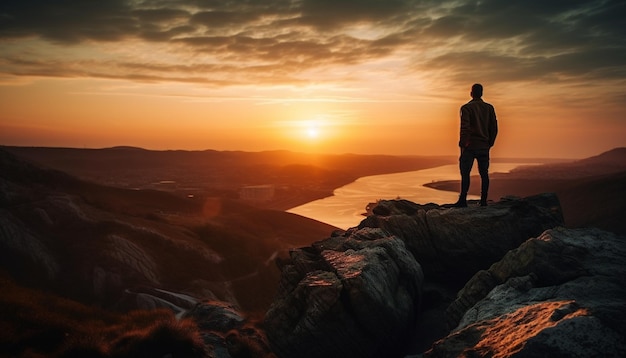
312,132
311,129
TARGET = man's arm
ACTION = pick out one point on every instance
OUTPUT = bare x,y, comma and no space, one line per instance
464,136
493,127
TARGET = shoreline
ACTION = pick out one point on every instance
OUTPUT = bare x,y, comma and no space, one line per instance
438,185
447,185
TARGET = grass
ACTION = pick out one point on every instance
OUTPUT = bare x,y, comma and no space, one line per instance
37,324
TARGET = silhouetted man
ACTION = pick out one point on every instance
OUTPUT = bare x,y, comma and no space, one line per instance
479,129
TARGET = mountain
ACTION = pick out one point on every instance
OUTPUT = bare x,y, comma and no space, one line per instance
613,157
612,161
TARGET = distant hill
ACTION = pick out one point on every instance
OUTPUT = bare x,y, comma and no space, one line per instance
613,157
612,161
298,177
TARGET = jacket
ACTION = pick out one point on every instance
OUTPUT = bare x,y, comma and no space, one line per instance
479,126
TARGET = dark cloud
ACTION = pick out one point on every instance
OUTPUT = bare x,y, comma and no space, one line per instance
290,52
75,20
212,19
513,40
526,40
67,20
158,34
160,15
337,13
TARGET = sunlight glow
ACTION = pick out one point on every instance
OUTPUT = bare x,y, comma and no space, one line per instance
312,132
312,129
507,335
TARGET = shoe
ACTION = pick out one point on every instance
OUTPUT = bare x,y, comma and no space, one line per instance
483,203
460,204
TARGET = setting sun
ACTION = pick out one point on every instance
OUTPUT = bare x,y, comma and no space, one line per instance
312,130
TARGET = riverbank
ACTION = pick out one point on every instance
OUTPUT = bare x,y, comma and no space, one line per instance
345,208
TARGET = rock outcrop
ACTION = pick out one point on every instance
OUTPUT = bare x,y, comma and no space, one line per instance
359,293
562,294
453,244
354,296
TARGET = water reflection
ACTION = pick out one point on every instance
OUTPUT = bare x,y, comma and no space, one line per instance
345,207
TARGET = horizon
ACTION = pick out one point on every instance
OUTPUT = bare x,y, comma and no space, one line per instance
320,77
130,147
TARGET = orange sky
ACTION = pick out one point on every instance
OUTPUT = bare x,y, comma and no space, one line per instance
371,76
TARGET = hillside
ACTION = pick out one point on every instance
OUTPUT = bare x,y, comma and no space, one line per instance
94,244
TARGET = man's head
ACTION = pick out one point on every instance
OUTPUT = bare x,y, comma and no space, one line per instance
477,90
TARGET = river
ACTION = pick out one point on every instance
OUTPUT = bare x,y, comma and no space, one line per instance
345,208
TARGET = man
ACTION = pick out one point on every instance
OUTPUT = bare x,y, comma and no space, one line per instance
479,128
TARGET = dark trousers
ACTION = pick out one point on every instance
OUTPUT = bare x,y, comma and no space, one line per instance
466,161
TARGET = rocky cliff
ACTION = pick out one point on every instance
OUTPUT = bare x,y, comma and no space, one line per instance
528,287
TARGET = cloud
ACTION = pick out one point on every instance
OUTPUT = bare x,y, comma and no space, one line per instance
531,40
67,21
278,41
332,14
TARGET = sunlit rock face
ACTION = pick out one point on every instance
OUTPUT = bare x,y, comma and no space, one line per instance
562,294
347,296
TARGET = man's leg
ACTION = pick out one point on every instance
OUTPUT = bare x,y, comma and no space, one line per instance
466,161
482,156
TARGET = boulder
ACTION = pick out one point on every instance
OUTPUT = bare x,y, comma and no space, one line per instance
562,294
347,296
215,316
227,333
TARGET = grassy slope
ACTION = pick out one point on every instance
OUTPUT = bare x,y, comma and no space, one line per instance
34,323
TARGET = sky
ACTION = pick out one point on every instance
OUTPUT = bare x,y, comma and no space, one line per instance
327,76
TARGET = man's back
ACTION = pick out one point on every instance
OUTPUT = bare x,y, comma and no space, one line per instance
479,126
